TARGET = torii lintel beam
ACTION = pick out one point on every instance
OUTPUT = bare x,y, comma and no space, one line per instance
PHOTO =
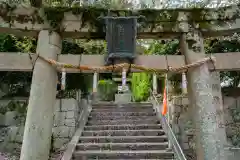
22,62
84,22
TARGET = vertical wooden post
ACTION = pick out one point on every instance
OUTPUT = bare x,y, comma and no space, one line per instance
39,121
95,84
63,79
184,83
154,83
124,79
201,98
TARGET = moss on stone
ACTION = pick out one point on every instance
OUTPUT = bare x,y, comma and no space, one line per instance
3,110
155,19
14,106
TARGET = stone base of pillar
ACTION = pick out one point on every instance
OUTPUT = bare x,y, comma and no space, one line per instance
94,97
123,98
155,93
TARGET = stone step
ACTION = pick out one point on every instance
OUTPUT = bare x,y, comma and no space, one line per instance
132,159
107,104
124,133
136,104
123,106
104,114
131,109
99,154
123,139
122,118
122,127
122,146
120,122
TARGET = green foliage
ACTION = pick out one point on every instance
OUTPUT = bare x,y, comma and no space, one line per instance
164,47
7,43
71,48
140,86
234,126
84,46
82,81
92,46
26,44
107,90
224,45
20,107
17,83
113,4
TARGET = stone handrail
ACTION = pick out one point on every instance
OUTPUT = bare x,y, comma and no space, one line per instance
168,130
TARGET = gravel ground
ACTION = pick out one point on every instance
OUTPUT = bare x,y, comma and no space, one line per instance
57,155
8,156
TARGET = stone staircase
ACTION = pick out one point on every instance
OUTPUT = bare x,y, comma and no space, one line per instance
122,132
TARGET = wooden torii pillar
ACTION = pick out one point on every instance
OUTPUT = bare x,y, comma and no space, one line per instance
95,85
154,83
208,143
39,120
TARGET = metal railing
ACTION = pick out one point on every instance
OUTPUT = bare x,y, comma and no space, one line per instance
179,155
233,148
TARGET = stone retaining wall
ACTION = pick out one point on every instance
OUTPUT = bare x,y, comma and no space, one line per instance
182,124
66,117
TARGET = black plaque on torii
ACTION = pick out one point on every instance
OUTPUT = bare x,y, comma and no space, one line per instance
121,35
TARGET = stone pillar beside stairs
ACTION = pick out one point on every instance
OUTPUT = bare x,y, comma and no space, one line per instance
39,121
201,98
218,103
123,98
182,120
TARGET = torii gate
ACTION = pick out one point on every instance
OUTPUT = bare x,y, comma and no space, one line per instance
76,23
